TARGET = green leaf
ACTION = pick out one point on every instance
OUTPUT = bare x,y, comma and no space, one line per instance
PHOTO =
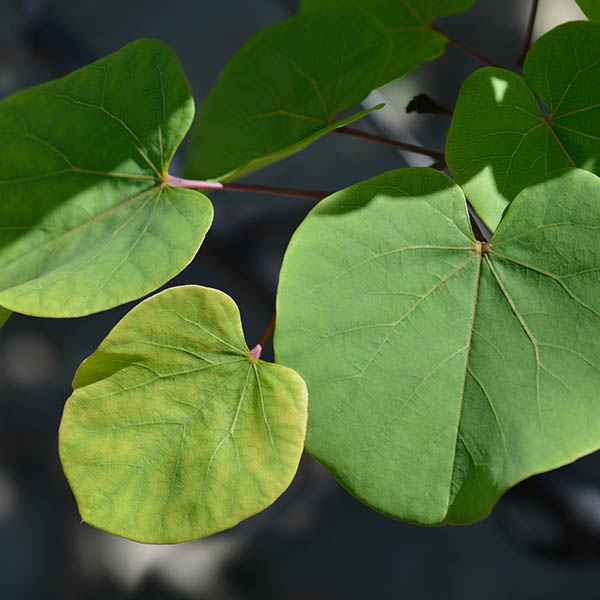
86,222
440,375
282,90
410,25
174,431
591,8
499,142
4,314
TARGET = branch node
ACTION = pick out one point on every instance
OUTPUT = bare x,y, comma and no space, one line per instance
481,248
254,354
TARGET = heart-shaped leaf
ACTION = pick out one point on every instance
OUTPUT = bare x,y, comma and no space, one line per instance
499,142
441,371
282,90
174,431
86,221
410,25
591,8
4,314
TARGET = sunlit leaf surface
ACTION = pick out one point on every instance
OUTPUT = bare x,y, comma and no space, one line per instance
499,142
442,371
85,220
283,90
174,431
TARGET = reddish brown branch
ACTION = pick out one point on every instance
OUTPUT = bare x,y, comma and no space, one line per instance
277,191
465,49
396,144
196,184
529,33
256,352
268,331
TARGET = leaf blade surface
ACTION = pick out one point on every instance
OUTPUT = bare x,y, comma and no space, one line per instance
283,89
591,9
410,24
172,433
4,315
499,142
439,385
86,222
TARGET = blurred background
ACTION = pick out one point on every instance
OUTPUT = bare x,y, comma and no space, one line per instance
316,542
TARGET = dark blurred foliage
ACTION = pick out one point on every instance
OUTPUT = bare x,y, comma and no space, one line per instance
317,542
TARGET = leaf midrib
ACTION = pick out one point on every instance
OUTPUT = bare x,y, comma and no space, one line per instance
528,332
462,396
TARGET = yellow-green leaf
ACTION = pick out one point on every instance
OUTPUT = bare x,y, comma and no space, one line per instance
174,431
4,314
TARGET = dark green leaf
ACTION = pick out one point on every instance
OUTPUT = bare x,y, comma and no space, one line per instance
282,90
410,24
499,142
591,8
174,431
86,222
440,375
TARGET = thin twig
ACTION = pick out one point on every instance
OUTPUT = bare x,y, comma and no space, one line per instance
469,51
276,191
529,33
383,140
268,331
256,352
245,187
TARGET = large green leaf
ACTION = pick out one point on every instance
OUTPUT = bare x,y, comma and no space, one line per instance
174,431
591,8
499,142
86,222
282,90
442,371
410,24
4,314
